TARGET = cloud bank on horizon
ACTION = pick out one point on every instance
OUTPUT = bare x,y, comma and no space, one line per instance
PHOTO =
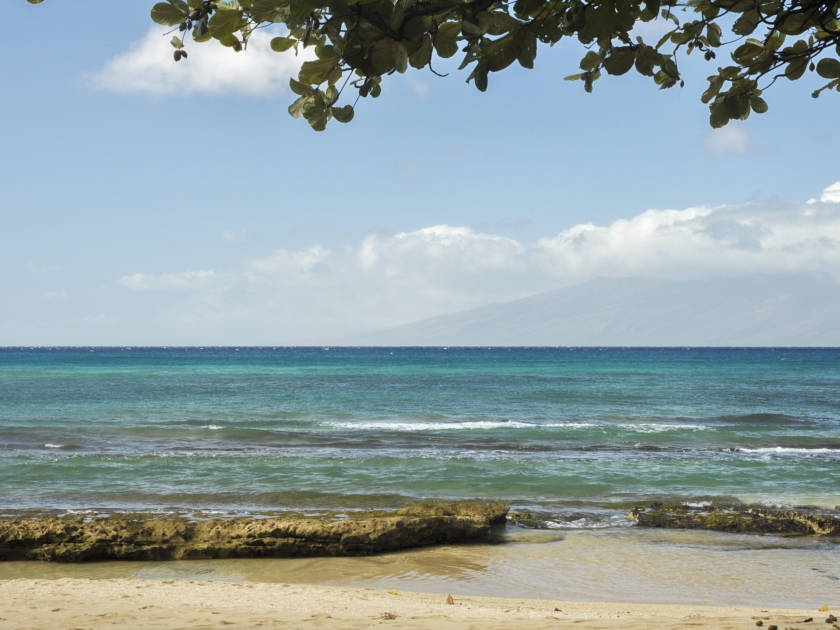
293,296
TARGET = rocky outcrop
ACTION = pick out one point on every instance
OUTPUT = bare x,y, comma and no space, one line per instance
737,519
144,537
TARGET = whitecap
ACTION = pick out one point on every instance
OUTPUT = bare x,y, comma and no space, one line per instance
466,425
430,426
53,445
212,427
659,428
785,449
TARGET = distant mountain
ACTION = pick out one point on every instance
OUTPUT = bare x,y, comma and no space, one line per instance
751,311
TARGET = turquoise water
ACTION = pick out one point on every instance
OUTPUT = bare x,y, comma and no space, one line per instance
577,433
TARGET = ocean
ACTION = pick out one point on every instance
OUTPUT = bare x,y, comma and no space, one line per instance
578,435
579,432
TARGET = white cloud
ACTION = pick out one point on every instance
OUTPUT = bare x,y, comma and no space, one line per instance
829,195
733,138
293,296
211,68
182,280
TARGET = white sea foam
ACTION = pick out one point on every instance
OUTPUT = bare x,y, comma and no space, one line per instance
53,445
512,424
659,428
429,426
212,427
785,449
590,523
453,426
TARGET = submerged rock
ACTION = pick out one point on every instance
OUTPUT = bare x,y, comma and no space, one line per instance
145,537
744,519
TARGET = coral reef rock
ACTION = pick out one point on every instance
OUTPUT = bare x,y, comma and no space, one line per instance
152,537
744,519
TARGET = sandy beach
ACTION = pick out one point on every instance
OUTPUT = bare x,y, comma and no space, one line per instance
92,604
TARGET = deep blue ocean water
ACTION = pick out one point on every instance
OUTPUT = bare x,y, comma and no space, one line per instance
581,433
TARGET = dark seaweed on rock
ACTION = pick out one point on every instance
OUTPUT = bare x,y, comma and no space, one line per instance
144,537
742,519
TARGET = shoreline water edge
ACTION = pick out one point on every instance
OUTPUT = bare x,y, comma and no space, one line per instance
76,538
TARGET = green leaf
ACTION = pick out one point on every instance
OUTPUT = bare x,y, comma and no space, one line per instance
201,33
282,44
715,84
334,76
646,59
316,72
670,68
400,56
713,33
176,43
652,6
746,24
167,14
759,106
794,24
739,107
620,60
590,61
446,44
829,68
796,68
500,53
445,47
231,41
479,75
397,16
224,23
667,14
269,10
181,5
528,7
316,115
301,89
423,55
528,51
296,108
382,56
342,114
574,77
719,115
34,1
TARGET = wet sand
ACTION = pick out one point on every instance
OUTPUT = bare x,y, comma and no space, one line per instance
93,604
610,565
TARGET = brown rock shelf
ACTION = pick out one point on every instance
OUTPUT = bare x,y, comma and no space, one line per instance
741,519
152,537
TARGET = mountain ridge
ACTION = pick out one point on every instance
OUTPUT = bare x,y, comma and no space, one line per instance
781,310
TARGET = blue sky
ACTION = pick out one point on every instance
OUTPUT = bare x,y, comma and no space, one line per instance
132,211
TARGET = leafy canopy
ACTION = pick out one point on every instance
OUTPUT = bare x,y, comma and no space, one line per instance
357,42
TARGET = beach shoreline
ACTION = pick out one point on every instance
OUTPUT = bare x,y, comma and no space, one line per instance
94,604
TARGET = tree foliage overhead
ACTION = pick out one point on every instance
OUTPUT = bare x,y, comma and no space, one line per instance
357,42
